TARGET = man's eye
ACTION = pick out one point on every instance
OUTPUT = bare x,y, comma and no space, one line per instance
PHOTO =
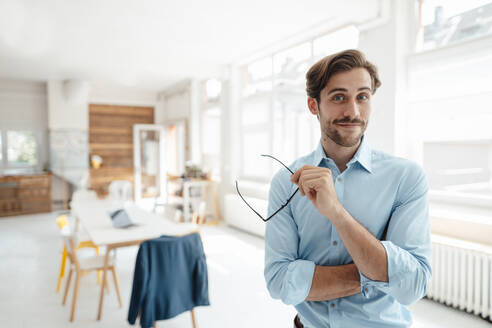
338,97
363,97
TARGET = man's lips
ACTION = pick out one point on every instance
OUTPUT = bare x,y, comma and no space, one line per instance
348,125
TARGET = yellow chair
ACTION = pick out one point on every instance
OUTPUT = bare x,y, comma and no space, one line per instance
82,266
63,222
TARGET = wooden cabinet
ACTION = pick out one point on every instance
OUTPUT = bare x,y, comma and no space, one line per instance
25,194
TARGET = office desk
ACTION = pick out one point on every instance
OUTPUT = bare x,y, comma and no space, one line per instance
94,218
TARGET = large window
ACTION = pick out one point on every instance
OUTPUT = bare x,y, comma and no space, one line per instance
19,149
274,117
449,108
211,126
445,22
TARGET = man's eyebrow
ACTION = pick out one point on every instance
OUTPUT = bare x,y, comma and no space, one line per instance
345,90
337,89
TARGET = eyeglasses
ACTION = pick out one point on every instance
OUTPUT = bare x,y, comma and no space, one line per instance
281,207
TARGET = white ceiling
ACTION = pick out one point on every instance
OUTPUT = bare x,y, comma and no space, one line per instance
152,44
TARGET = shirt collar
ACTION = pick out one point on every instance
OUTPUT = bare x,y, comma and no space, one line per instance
363,155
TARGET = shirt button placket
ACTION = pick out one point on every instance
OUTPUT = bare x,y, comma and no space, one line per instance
333,318
339,187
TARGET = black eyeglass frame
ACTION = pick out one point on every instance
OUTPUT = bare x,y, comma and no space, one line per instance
281,207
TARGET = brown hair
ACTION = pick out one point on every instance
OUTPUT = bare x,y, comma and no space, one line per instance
320,73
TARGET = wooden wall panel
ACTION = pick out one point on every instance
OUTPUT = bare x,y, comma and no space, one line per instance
111,137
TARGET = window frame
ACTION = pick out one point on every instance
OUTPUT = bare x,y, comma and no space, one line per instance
206,105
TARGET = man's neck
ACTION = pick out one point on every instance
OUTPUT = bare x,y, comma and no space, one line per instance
339,154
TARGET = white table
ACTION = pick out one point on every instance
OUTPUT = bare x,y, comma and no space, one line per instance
95,219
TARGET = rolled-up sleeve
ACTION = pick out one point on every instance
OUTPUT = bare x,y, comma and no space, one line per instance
288,278
407,244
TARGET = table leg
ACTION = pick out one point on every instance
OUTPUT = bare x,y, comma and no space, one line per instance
104,281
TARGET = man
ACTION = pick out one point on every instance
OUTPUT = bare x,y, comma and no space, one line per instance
352,248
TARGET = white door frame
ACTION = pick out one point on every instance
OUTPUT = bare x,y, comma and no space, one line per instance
137,165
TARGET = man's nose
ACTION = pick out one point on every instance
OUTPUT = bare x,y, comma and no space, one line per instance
352,109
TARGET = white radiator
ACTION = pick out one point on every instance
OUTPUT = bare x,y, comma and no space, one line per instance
462,274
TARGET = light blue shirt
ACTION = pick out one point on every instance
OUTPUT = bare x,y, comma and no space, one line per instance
374,188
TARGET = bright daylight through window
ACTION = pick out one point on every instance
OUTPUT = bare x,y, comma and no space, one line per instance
21,148
449,97
445,22
211,118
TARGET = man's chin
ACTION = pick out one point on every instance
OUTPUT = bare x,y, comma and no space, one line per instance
350,143
347,141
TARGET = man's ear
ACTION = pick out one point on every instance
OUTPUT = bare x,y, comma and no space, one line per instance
313,106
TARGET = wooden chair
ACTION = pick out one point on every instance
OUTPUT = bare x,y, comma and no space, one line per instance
82,266
62,221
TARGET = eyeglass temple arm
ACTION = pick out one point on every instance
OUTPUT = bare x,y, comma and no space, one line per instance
279,162
244,200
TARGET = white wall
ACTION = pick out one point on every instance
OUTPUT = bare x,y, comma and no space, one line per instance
63,114
68,124
120,95
182,102
23,105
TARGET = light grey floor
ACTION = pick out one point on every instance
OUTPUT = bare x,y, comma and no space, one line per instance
30,251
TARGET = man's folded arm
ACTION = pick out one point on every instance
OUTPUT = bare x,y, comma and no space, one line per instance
408,247
331,282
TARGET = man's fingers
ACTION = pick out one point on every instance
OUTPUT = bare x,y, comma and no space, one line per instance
309,186
310,174
307,169
309,177
312,183
304,177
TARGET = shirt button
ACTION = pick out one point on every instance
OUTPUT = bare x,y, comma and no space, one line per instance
332,305
335,243
366,290
339,179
